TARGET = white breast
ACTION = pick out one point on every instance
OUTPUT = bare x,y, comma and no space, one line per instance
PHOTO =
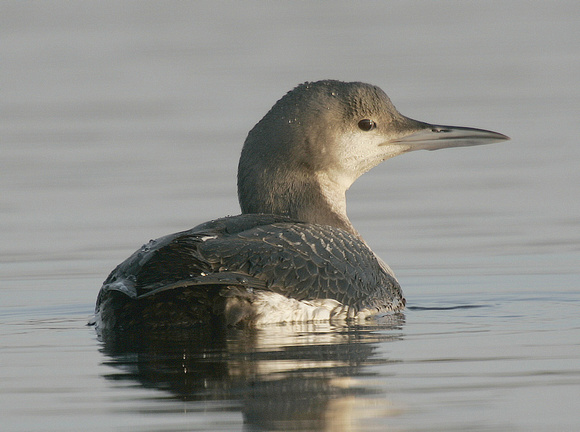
271,308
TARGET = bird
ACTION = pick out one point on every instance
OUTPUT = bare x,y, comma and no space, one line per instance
292,255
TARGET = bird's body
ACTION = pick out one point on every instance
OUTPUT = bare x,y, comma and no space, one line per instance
230,266
292,255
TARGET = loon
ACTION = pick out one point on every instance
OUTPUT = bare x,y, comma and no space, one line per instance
292,255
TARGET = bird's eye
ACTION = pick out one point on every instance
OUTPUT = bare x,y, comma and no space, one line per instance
366,125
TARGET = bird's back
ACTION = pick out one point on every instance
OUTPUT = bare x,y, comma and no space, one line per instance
230,269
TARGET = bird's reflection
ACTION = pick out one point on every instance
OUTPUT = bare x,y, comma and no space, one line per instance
290,377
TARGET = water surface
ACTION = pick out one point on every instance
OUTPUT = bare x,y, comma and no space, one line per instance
121,122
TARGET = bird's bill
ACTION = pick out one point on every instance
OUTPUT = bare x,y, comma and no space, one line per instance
435,137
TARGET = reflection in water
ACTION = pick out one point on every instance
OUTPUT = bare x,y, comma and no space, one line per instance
281,377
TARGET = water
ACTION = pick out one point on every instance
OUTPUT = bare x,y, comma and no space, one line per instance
122,122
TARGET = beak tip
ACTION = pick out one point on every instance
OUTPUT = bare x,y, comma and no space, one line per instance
502,137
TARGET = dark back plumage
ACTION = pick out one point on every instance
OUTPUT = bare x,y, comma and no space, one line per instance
258,252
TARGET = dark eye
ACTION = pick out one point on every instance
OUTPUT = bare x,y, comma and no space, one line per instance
366,125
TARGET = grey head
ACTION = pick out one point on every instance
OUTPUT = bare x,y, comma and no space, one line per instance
302,157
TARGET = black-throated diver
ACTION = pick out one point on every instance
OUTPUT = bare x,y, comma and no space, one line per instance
293,254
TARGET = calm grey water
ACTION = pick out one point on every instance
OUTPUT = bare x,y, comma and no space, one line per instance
123,121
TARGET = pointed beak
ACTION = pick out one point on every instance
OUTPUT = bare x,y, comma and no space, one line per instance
425,136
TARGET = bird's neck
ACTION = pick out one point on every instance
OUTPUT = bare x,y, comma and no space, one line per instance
317,199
